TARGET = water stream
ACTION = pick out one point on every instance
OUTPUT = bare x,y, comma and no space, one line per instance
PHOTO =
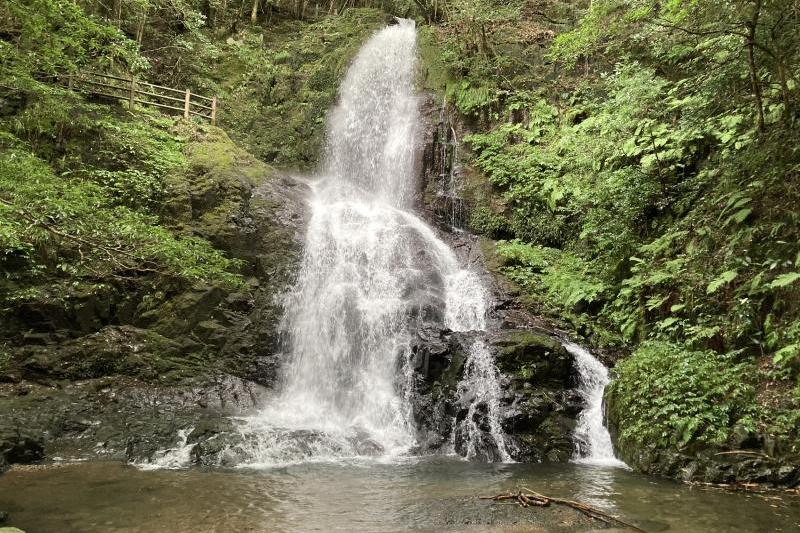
431,495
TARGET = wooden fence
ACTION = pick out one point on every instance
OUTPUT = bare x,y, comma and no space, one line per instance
140,92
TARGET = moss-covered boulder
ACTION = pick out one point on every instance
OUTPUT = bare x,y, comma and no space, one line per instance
534,356
170,337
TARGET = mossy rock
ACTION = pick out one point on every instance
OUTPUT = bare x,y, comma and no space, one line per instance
211,193
114,350
533,356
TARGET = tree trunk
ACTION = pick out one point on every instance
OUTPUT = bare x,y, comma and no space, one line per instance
118,12
750,43
254,12
787,100
140,29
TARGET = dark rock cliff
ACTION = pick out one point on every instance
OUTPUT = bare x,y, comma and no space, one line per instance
537,373
123,371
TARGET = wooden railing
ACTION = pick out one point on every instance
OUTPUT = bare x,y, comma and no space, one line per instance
140,92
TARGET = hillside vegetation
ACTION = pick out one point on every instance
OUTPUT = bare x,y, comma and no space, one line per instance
643,171
109,216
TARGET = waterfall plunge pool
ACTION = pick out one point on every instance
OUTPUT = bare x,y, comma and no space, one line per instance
435,494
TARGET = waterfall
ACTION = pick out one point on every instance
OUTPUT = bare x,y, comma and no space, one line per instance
372,273
592,441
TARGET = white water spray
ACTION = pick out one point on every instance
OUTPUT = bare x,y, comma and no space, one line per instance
592,440
372,271
171,458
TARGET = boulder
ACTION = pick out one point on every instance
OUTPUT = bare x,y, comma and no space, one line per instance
18,447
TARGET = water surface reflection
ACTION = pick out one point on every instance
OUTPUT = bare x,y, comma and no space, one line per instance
425,495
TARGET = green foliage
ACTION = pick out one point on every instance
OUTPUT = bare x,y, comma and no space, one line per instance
133,159
652,169
128,158
719,42
723,279
641,159
562,278
72,230
54,37
484,220
278,83
784,280
674,397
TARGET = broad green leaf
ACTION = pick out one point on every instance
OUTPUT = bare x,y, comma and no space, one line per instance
723,279
784,279
741,215
667,322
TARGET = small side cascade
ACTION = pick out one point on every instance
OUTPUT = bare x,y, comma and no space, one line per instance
446,170
592,440
172,458
480,432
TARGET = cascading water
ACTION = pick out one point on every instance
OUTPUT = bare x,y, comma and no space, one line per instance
592,440
371,273
480,389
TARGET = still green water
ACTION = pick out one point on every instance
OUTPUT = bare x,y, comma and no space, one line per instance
422,495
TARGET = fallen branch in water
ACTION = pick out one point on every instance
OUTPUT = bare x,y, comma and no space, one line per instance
526,497
754,488
745,452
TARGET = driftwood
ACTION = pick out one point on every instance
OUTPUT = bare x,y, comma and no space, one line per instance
754,488
526,497
745,452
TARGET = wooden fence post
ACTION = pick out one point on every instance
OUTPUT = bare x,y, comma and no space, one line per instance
186,104
214,111
132,92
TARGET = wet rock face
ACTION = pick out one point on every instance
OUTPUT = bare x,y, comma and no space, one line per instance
259,220
539,403
241,206
66,367
708,466
538,376
114,417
